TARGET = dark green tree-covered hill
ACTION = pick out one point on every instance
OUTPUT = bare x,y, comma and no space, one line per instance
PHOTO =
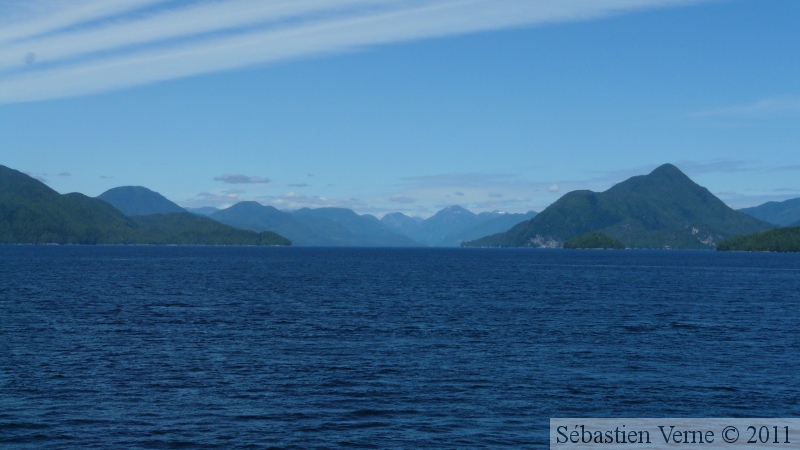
187,228
32,213
139,201
777,240
664,209
594,240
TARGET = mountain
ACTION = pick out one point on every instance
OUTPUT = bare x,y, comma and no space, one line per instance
203,210
437,230
401,223
491,223
594,240
31,212
139,201
351,229
326,227
785,213
776,240
452,225
186,228
664,209
254,216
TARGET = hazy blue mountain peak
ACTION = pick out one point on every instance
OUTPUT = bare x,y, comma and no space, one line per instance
139,201
785,213
203,210
455,209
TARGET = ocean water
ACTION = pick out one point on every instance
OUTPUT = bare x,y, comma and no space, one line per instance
244,347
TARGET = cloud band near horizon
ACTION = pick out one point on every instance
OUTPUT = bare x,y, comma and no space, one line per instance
50,51
241,179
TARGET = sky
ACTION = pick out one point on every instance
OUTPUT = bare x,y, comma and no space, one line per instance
400,105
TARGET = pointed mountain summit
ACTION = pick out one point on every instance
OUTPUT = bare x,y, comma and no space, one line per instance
664,209
451,220
451,215
139,201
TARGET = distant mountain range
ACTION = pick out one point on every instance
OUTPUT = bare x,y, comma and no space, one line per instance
453,225
343,227
664,209
785,214
330,227
32,213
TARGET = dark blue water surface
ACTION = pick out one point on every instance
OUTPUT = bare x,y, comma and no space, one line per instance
162,347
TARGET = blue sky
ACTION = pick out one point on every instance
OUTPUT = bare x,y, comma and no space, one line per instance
400,105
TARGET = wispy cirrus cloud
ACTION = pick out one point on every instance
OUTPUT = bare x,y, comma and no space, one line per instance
690,167
768,107
475,191
402,199
241,179
717,166
32,18
738,200
491,184
293,200
473,179
222,199
52,49
789,168
729,166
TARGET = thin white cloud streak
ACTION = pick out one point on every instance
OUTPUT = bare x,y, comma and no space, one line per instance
173,24
717,166
764,107
402,199
455,180
309,34
474,191
292,201
241,179
737,201
53,15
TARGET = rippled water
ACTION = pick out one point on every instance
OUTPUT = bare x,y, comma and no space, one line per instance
163,347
